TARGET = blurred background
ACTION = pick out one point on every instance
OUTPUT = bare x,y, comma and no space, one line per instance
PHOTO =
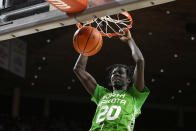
39,91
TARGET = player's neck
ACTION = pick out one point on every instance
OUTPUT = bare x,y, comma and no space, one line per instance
119,88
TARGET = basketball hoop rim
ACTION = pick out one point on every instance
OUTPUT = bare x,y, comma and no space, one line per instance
126,14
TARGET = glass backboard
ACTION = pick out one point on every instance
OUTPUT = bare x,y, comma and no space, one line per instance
53,18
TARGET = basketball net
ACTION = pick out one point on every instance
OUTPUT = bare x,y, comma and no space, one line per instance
110,26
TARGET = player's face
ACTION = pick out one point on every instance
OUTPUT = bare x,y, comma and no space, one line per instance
119,79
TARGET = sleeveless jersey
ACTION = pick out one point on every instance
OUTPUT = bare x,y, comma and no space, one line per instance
117,111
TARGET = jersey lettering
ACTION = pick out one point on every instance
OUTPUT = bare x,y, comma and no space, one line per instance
113,108
107,113
105,109
114,101
114,95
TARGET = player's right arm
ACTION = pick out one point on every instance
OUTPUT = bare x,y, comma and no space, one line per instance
85,78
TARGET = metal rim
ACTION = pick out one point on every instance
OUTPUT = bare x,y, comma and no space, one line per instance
126,14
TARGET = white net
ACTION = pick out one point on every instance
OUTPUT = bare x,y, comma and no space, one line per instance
110,25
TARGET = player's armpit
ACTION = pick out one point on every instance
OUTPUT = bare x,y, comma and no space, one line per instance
85,78
139,75
87,81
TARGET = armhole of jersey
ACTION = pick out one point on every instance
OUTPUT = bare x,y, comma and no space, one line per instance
93,98
135,92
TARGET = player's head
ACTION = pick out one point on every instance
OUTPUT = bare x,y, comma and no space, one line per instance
120,76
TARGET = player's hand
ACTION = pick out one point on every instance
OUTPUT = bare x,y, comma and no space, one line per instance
126,37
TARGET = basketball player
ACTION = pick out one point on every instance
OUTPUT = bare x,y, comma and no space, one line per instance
117,110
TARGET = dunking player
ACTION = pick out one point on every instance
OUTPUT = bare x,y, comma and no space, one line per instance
117,110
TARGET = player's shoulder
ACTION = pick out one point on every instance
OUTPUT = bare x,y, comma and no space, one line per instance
102,88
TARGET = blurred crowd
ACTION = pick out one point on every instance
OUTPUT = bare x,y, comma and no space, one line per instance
35,123
40,124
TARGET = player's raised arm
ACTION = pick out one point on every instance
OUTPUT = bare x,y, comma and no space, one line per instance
85,78
139,60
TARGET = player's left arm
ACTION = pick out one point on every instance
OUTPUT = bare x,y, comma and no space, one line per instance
139,60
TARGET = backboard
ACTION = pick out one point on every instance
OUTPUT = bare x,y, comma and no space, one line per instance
54,18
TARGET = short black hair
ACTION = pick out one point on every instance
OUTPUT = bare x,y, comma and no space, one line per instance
129,70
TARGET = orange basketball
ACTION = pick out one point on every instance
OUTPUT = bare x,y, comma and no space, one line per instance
87,41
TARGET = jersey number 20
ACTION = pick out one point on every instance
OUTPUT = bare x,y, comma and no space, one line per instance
107,113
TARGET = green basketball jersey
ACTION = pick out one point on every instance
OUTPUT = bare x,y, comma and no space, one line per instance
117,111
